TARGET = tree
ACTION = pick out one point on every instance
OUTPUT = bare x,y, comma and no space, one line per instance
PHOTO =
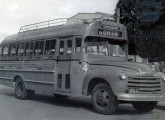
141,25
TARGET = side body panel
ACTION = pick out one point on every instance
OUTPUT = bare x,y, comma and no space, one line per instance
37,75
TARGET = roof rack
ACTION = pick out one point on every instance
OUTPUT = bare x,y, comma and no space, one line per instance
80,17
50,23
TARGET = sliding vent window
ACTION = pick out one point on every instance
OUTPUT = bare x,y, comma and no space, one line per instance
50,47
78,45
5,51
20,49
69,48
61,50
38,49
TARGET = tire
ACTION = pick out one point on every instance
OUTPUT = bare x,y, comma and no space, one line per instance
60,97
103,99
144,107
21,92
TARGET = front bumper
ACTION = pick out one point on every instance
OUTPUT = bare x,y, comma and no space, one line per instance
141,97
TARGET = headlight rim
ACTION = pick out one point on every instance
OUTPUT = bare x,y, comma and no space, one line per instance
123,75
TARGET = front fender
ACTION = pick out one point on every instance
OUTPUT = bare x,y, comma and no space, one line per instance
117,85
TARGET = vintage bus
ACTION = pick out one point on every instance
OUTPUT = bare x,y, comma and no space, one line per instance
79,58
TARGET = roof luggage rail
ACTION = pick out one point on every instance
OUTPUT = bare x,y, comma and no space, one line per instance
81,17
50,23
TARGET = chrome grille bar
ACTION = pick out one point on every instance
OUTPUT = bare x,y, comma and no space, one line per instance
145,84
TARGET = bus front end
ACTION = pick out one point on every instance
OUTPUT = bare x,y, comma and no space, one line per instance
111,78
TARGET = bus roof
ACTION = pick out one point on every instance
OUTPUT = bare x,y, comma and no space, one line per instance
75,26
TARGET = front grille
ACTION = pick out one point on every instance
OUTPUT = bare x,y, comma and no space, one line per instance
145,84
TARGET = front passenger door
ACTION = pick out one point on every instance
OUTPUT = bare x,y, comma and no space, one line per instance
63,64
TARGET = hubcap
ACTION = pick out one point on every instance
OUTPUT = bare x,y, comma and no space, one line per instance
102,98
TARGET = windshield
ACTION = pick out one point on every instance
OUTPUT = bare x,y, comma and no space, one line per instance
104,46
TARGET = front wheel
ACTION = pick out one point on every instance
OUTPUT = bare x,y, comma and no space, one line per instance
144,107
103,99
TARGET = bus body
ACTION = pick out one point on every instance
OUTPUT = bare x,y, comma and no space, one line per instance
77,59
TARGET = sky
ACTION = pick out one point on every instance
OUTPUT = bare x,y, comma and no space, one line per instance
16,13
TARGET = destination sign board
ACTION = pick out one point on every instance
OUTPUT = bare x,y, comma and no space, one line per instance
110,27
109,33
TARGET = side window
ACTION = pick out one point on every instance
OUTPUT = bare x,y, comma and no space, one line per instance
20,49
27,46
78,45
5,51
12,50
61,50
38,48
29,49
69,47
50,47
0,50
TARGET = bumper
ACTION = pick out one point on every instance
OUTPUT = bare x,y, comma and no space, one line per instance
141,97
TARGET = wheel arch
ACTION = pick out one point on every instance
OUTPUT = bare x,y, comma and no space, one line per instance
93,82
17,76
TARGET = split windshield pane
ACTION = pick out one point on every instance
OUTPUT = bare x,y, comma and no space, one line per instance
104,46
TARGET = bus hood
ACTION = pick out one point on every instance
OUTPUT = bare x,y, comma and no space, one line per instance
141,68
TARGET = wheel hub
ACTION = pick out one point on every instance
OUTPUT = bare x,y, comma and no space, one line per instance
102,98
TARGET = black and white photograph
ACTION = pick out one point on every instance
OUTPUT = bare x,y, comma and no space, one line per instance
82,60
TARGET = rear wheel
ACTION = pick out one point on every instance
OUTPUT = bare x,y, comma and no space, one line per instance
20,91
144,107
103,99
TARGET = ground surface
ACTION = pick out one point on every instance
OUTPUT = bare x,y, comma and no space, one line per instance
46,107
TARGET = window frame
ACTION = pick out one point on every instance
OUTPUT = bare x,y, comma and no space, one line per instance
10,50
0,50
29,48
75,44
17,49
34,53
61,47
69,47
3,46
45,47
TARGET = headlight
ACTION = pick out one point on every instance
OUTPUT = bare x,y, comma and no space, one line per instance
123,76
163,77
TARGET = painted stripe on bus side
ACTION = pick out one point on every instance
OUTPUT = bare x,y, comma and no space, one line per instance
5,78
21,70
41,82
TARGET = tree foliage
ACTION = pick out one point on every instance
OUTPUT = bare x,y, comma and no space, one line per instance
141,31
